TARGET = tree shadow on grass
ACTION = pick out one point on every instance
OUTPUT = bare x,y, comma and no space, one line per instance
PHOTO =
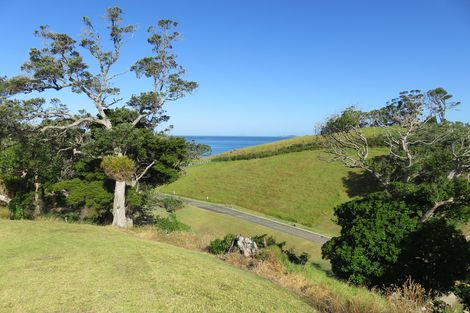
360,184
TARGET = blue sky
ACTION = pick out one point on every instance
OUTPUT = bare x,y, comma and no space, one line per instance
274,67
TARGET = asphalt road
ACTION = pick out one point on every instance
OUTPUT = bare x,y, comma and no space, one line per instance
288,229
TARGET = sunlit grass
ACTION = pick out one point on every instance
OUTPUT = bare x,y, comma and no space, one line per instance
301,187
58,267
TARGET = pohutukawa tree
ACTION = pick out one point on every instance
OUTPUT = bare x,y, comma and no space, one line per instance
414,129
408,229
61,65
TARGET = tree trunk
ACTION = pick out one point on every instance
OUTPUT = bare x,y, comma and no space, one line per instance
37,198
119,205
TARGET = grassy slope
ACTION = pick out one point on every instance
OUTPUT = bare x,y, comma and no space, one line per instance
217,225
56,267
370,132
301,187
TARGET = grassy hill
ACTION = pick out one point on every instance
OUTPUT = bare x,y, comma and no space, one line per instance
301,187
58,267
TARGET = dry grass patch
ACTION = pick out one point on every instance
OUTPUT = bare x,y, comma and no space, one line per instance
324,297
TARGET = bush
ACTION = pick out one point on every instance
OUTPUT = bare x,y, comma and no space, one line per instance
78,196
221,246
301,259
263,241
171,204
382,243
170,224
21,206
372,233
463,292
435,256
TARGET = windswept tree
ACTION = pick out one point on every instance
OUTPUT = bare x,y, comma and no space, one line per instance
422,146
61,65
408,228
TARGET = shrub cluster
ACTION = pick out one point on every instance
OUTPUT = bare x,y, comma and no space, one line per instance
170,224
222,246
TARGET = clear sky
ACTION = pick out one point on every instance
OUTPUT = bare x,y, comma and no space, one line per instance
274,67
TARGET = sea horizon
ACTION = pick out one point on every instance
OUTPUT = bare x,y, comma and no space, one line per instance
224,143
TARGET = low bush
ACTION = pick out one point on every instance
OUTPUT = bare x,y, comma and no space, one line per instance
263,241
301,259
171,204
462,291
221,246
21,206
170,224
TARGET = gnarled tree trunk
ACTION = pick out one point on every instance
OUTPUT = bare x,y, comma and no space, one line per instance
119,205
37,198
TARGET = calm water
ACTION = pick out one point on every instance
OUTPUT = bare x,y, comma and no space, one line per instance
221,144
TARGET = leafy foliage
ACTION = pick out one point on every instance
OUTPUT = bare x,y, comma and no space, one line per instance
89,200
436,255
21,207
372,232
462,291
170,224
125,137
406,230
119,168
221,246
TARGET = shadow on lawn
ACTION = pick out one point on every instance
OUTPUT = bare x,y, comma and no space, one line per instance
360,184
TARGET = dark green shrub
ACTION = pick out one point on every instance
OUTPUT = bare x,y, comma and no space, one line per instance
171,204
221,246
463,292
373,230
435,256
170,224
21,206
301,259
77,194
263,241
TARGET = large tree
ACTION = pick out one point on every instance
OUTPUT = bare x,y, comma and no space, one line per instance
61,65
422,146
423,167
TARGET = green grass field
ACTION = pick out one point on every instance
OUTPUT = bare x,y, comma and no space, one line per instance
58,267
301,187
217,225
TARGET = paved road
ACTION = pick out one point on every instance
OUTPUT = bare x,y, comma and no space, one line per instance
288,229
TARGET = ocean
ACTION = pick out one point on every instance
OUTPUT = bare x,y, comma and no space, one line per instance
220,144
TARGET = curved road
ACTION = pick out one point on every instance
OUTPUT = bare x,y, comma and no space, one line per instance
288,229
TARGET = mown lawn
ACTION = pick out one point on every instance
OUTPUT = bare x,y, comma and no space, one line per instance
58,267
217,225
301,187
